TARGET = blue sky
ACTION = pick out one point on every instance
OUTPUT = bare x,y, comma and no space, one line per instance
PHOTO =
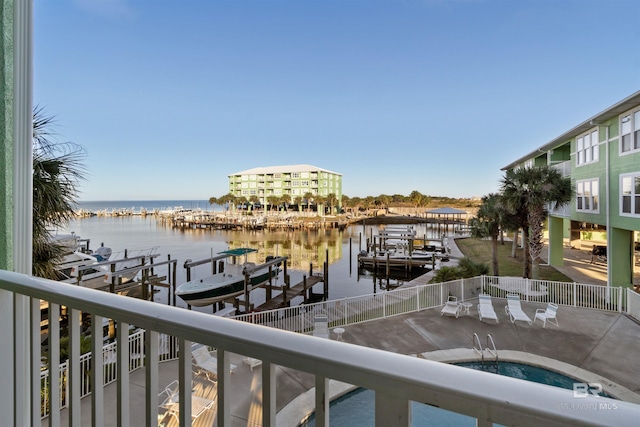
170,97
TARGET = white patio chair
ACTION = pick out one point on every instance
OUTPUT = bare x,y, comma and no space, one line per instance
485,308
547,315
171,402
205,362
451,307
514,309
252,362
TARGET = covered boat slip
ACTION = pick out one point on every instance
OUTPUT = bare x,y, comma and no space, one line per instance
218,263
287,291
229,280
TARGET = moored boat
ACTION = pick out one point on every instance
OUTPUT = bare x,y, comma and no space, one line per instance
225,284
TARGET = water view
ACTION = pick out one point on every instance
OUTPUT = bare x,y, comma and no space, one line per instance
305,249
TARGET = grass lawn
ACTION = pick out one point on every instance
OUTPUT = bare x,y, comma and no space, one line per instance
480,251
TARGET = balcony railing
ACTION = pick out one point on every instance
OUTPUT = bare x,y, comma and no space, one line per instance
396,379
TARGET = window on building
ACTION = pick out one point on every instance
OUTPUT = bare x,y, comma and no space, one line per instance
277,175
587,196
630,132
630,194
295,175
295,183
305,183
587,148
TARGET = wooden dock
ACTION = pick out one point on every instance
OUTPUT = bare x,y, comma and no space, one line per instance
288,293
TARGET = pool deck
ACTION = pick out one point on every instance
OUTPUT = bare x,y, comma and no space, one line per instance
605,344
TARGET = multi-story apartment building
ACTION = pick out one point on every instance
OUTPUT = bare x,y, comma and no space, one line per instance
293,180
602,157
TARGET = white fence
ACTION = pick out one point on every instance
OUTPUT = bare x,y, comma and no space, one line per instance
167,350
409,299
366,308
633,304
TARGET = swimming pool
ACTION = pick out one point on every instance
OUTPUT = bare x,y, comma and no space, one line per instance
357,407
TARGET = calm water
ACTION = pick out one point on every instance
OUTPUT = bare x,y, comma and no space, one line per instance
302,247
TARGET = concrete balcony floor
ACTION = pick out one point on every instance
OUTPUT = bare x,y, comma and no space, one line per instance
603,343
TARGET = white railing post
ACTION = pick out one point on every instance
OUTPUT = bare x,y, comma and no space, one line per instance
73,367
620,299
384,305
97,373
268,394
122,368
575,294
322,401
391,410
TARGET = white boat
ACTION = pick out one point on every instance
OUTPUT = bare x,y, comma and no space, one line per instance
226,284
93,270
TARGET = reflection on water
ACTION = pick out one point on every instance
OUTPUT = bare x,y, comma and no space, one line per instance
303,247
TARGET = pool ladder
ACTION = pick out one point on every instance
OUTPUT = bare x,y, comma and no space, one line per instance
490,347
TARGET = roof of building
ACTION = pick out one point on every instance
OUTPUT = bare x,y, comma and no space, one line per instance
613,111
447,211
283,169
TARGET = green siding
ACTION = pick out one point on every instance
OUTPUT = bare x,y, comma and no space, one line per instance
6,141
611,164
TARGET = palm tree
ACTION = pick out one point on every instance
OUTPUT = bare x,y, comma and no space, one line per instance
308,197
213,201
285,199
254,200
332,200
320,202
272,201
530,190
57,170
487,223
298,202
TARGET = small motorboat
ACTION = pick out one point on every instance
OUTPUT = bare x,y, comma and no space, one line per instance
225,284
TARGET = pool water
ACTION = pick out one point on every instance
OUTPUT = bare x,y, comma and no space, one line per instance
525,372
357,407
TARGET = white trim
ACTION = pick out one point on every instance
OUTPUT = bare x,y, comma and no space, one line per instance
634,127
590,182
632,175
593,148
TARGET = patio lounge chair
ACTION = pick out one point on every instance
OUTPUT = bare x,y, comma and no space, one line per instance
205,362
514,310
547,315
252,362
171,402
452,307
485,308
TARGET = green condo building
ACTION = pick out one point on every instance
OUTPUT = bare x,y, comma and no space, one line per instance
602,157
292,180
